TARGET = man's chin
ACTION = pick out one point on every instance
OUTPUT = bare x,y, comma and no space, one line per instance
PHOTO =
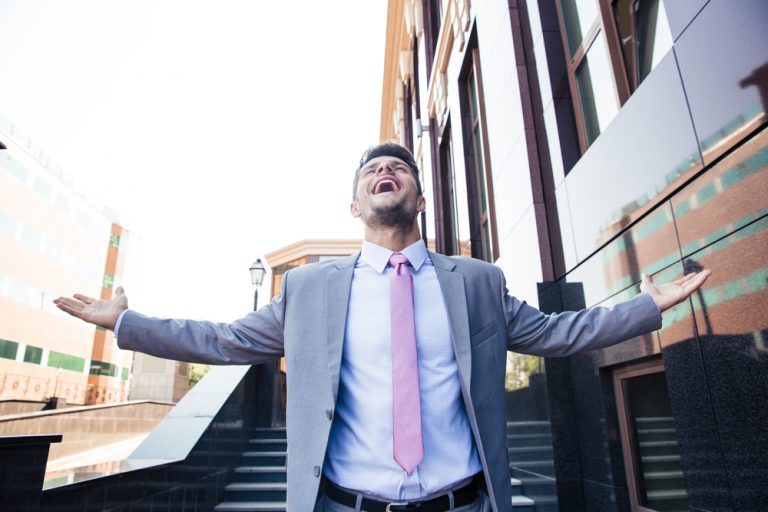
395,215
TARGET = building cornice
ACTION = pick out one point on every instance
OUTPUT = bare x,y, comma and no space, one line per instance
304,248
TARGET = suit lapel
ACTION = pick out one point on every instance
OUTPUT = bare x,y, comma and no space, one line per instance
338,284
452,288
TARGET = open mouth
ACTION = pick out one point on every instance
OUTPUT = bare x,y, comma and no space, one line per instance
386,185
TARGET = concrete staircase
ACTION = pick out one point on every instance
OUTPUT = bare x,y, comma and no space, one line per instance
259,483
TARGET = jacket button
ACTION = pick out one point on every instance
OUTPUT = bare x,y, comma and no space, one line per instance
329,414
316,470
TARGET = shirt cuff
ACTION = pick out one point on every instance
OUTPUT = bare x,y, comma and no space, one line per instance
117,324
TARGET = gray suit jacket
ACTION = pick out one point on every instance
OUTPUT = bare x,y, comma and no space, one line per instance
306,324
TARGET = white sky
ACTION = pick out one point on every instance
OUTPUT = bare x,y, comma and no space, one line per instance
219,131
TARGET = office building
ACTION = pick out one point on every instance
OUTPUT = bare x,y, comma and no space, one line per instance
578,145
53,241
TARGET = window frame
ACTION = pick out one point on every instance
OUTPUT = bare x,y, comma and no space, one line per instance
626,434
603,24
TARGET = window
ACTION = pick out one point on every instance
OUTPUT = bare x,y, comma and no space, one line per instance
649,439
8,349
644,34
14,167
103,369
482,231
66,361
114,240
33,354
408,111
42,188
7,225
610,47
433,17
448,242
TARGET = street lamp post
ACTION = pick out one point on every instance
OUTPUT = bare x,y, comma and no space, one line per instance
257,277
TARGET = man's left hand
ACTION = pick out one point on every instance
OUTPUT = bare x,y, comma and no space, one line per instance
668,294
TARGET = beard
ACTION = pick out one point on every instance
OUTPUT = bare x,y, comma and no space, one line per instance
396,215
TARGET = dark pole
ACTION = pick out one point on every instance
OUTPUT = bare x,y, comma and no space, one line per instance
257,271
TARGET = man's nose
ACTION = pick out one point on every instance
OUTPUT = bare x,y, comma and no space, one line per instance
384,169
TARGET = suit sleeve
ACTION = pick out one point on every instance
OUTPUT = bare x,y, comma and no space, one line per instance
253,339
529,331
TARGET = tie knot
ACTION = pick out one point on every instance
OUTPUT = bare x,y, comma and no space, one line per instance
397,259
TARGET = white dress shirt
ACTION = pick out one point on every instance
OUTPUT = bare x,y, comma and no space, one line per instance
360,453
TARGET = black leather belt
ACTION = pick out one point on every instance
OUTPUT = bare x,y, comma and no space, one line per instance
462,496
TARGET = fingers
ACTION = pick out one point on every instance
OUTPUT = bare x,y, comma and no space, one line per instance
84,298
695,282
119,291
71,306
685,278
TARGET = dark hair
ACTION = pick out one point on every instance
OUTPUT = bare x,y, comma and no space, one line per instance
387,149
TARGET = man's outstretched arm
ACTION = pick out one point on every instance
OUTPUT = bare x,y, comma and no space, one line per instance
532,332
255,338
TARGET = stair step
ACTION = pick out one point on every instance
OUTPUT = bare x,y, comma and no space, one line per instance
526,449
517,437
267,444
255,491
263,458
270,432
260,469
671,494
662,475
522,501
256,486
660,458
254,506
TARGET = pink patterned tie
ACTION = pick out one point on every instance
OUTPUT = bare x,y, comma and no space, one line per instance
406,398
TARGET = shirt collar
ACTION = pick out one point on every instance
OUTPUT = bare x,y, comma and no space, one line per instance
378,257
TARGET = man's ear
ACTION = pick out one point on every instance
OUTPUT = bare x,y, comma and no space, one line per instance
354,209
421,204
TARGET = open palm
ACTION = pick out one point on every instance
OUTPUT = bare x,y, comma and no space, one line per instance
103,313
668,294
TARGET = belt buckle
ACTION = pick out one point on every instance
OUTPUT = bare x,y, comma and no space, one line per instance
405,504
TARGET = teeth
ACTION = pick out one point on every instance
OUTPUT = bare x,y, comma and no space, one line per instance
379,184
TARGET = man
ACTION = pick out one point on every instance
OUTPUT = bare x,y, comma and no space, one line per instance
395,357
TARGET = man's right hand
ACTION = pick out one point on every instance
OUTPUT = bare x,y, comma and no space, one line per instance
103,313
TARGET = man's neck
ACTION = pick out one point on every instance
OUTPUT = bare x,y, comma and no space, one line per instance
393,238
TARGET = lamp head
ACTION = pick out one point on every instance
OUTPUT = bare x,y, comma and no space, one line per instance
257,272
